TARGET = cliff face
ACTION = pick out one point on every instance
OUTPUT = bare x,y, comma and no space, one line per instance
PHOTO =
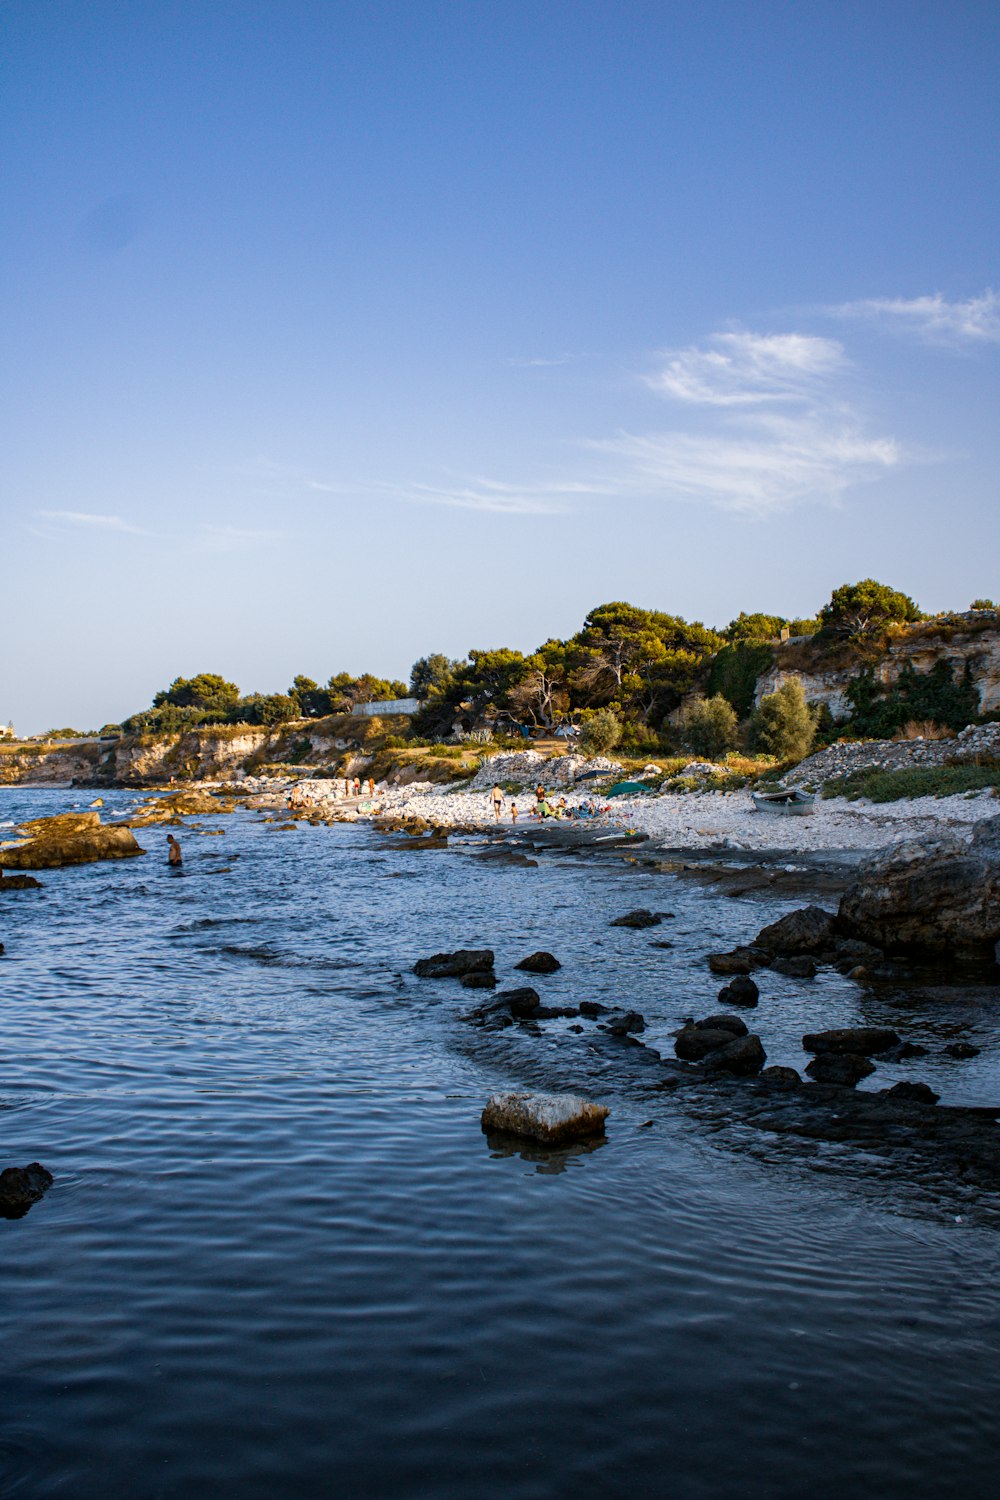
960,640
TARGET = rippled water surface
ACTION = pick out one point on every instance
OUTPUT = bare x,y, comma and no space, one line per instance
280,1259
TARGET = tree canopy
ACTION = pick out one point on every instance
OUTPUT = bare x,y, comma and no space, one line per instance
864,609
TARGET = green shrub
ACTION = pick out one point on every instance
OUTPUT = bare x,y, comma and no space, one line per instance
783,725
601,733
445,752
709,727
879,711
918,781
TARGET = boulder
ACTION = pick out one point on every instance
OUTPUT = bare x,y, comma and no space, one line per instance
641,918
693,1043
780,1078
18,882
744,1056
552,1012
454,965
20,1187
486,980
521,1003
962,1050
59,824
844,1068
852,953
810,931
919,1093
53,847
539,963
731,1024
798,967
740,990
860,1041
935,895
738,961
904,1051
591,1008
550,1118
625,1022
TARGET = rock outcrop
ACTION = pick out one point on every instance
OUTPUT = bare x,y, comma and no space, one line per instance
539,963
69,839
455,965
937,895
550,1118
20,1187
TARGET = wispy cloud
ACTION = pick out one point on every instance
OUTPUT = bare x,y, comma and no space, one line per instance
932,319
547,499
94,522
746,369
755,468
542,362
235,538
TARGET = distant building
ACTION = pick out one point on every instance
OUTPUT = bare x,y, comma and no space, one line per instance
8,733
393,706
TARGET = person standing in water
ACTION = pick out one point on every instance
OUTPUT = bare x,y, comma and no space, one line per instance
497,798
174,856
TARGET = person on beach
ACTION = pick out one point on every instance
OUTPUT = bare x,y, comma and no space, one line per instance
371,786
357,786
174,856
513,812
347,787
539,794
497,798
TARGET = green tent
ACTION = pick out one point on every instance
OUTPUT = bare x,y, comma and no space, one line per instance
626,788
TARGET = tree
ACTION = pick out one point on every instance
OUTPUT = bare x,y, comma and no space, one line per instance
345,690
859,610
542,695
265,708
709,727
490,675
313,701
783,725
432,675
982,604
213,696
755,627
601,732
638,661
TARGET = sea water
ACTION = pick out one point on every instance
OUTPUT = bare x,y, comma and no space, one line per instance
280,1259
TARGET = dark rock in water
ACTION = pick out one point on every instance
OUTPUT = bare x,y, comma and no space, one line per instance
798,967
592,1009
539,963
936,895
553,1012
741,990
852,953
962,1050
860,1041
520,1003
781,1078
694,1043
627,1021
844,1068
454,965
739,961
920,1093
475,981
20,1187
807,931
639,918
19,882
744,1056
903,1051
662,943
722,1023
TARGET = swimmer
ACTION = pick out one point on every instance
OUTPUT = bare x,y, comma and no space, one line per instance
174,856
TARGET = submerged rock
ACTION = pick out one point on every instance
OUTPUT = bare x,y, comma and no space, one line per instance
550,1118
962,1050
798,967
539,963
731,1024
479,981
738,961
18,882
625,1022
861,1041
919,1093
842,1068
641,918
591,1008
935,895
20,1187
780,1078
521,1003
454,965
693,1043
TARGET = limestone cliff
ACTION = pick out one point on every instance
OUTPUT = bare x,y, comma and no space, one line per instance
972,638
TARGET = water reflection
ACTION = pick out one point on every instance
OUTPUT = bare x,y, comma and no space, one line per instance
548,1160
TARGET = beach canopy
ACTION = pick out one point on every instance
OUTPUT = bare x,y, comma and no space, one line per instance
625,787
590,775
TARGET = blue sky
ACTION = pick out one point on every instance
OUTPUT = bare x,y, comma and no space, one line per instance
335,334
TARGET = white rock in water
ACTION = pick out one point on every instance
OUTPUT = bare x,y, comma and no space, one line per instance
552,1118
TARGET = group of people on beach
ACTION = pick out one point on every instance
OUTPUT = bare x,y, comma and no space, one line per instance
544,806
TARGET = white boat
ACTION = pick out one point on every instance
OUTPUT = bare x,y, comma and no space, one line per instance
790,799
